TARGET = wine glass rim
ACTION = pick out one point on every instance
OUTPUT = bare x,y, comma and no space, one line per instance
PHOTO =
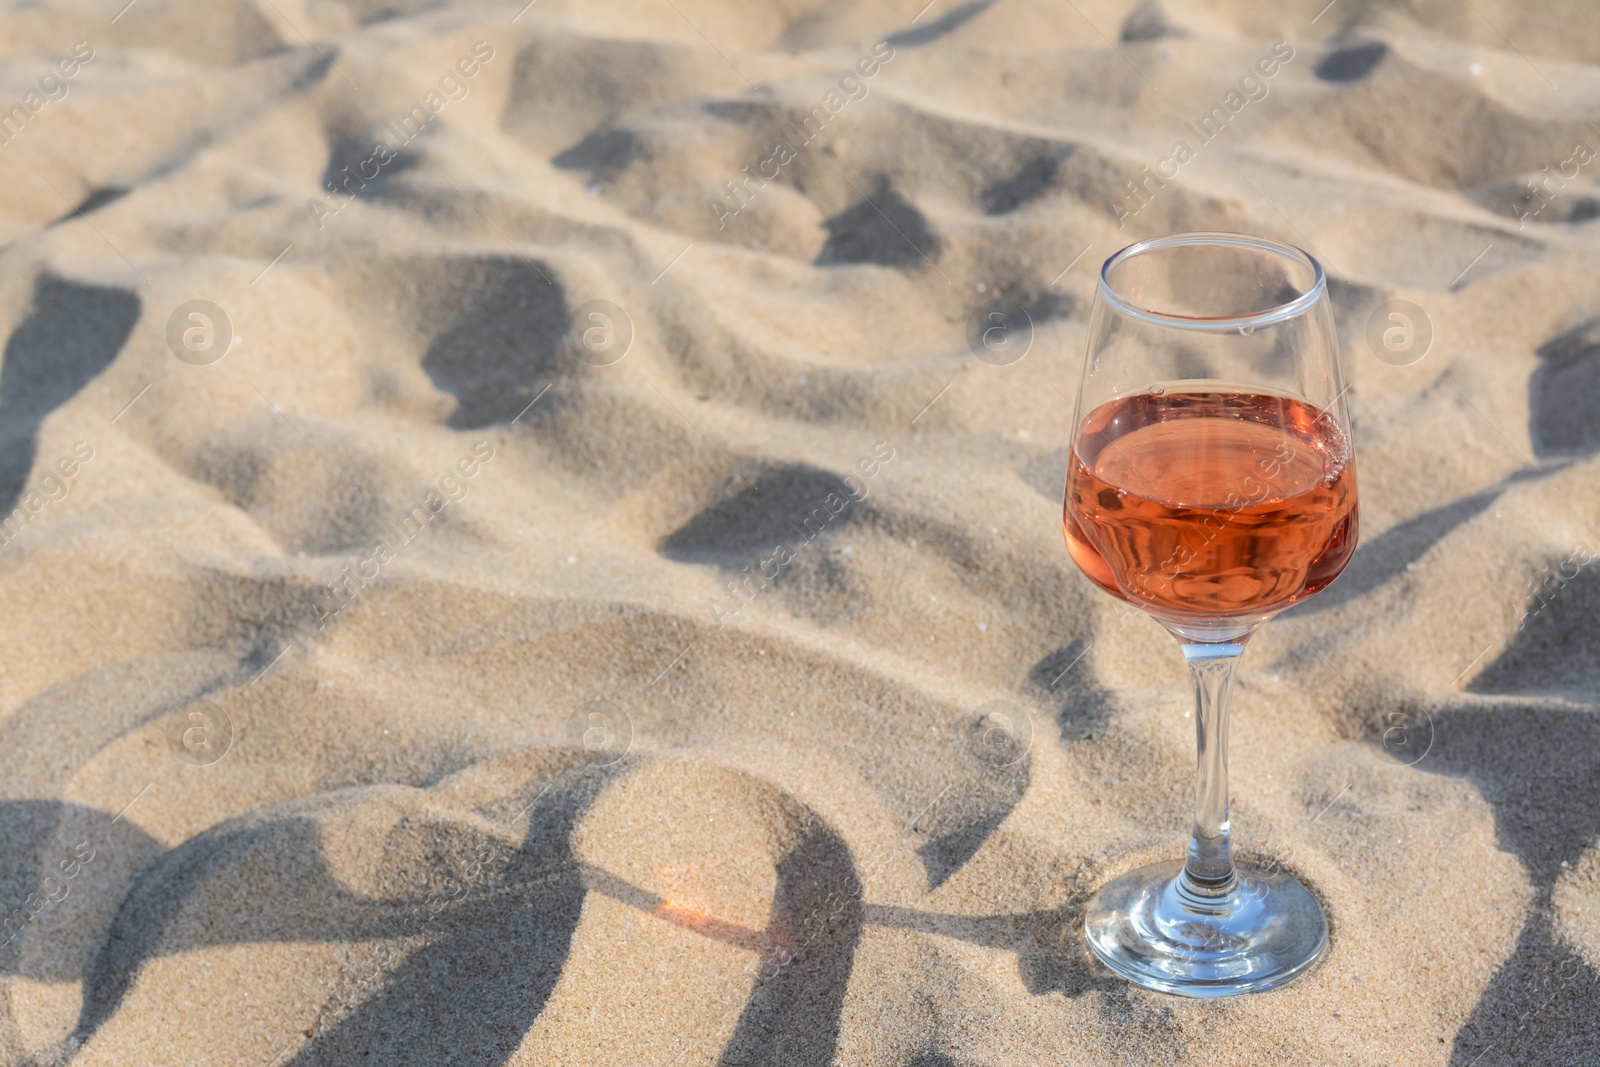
1299,305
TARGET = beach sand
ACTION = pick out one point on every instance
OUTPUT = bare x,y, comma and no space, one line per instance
513,555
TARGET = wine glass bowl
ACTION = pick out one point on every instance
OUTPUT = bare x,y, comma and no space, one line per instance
1212,484
1259,515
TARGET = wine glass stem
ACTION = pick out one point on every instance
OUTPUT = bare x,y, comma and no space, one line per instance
1208,872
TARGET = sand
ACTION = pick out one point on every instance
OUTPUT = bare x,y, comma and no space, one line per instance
480,589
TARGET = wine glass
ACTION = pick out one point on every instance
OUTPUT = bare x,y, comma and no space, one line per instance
1212,484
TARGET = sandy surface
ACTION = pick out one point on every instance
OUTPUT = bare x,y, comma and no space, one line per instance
420,670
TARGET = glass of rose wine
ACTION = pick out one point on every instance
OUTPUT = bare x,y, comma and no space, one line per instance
1212,485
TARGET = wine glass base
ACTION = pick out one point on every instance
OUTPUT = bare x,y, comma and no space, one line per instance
1150,929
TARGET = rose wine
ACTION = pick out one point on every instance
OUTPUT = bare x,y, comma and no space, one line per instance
1211,504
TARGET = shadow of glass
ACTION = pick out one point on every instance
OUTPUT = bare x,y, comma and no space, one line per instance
470,993
40,839
1052,956
490,950
793,1016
